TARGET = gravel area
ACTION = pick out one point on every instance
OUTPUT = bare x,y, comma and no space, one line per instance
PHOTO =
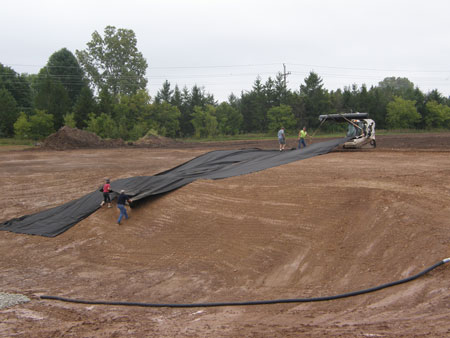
9,299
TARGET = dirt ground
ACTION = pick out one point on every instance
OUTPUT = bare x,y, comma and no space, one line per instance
336,223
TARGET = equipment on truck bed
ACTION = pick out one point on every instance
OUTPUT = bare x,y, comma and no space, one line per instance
361,129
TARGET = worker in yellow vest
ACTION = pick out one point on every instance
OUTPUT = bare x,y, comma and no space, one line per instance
301,138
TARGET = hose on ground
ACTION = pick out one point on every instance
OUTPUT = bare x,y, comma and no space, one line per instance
258,302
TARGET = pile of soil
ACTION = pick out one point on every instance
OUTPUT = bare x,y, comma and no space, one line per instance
154,141
72,138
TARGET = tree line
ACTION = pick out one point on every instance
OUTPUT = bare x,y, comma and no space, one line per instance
103,89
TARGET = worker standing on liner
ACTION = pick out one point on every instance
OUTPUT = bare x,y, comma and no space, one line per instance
106,191
121,200
301,138
281,139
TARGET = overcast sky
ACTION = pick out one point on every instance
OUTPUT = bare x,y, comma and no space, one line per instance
224,45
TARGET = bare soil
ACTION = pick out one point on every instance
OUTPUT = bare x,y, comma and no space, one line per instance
340,222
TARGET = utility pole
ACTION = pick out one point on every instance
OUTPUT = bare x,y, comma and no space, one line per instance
285,75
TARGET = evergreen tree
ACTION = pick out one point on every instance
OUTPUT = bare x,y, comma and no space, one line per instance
377,106
229,119
63,67
176,99
84,106
8,113
186,127
435,96
165,94
18,86
254,106
316,99
233,101
52,97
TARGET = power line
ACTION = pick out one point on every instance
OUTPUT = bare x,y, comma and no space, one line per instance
370,69
259,65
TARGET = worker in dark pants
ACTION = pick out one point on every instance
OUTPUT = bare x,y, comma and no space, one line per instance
121,200
106,191
301,138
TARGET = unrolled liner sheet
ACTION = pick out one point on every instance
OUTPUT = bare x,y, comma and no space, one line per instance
213,165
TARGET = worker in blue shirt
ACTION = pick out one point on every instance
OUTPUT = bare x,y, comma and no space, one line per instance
281,138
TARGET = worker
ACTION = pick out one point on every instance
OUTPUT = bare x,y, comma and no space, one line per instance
281,139
106,191
301,138
121,200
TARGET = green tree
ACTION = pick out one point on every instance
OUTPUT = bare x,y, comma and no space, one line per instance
377,106
69,120
106,102
102,125
397,86
197,97
438,115
316,100
204,121
8,113
233,101
164,94
63,67
176,98
113,62
254,106
229,119
41,125
402,113
139,130
128,109
165,119
84,106
281,116
186,127
18,86
22,127
434,95
52,97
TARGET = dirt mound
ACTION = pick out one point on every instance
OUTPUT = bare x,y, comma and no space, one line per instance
154,141
72,138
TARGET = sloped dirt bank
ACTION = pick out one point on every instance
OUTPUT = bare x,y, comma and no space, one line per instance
339,222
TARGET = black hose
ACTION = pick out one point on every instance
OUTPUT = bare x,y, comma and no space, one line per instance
258,302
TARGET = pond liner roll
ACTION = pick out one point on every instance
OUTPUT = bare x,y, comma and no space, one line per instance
258,302
213,165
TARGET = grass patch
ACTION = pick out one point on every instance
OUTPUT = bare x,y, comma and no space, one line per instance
220,138
7,144
15,142
409,131
319,134
256,137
